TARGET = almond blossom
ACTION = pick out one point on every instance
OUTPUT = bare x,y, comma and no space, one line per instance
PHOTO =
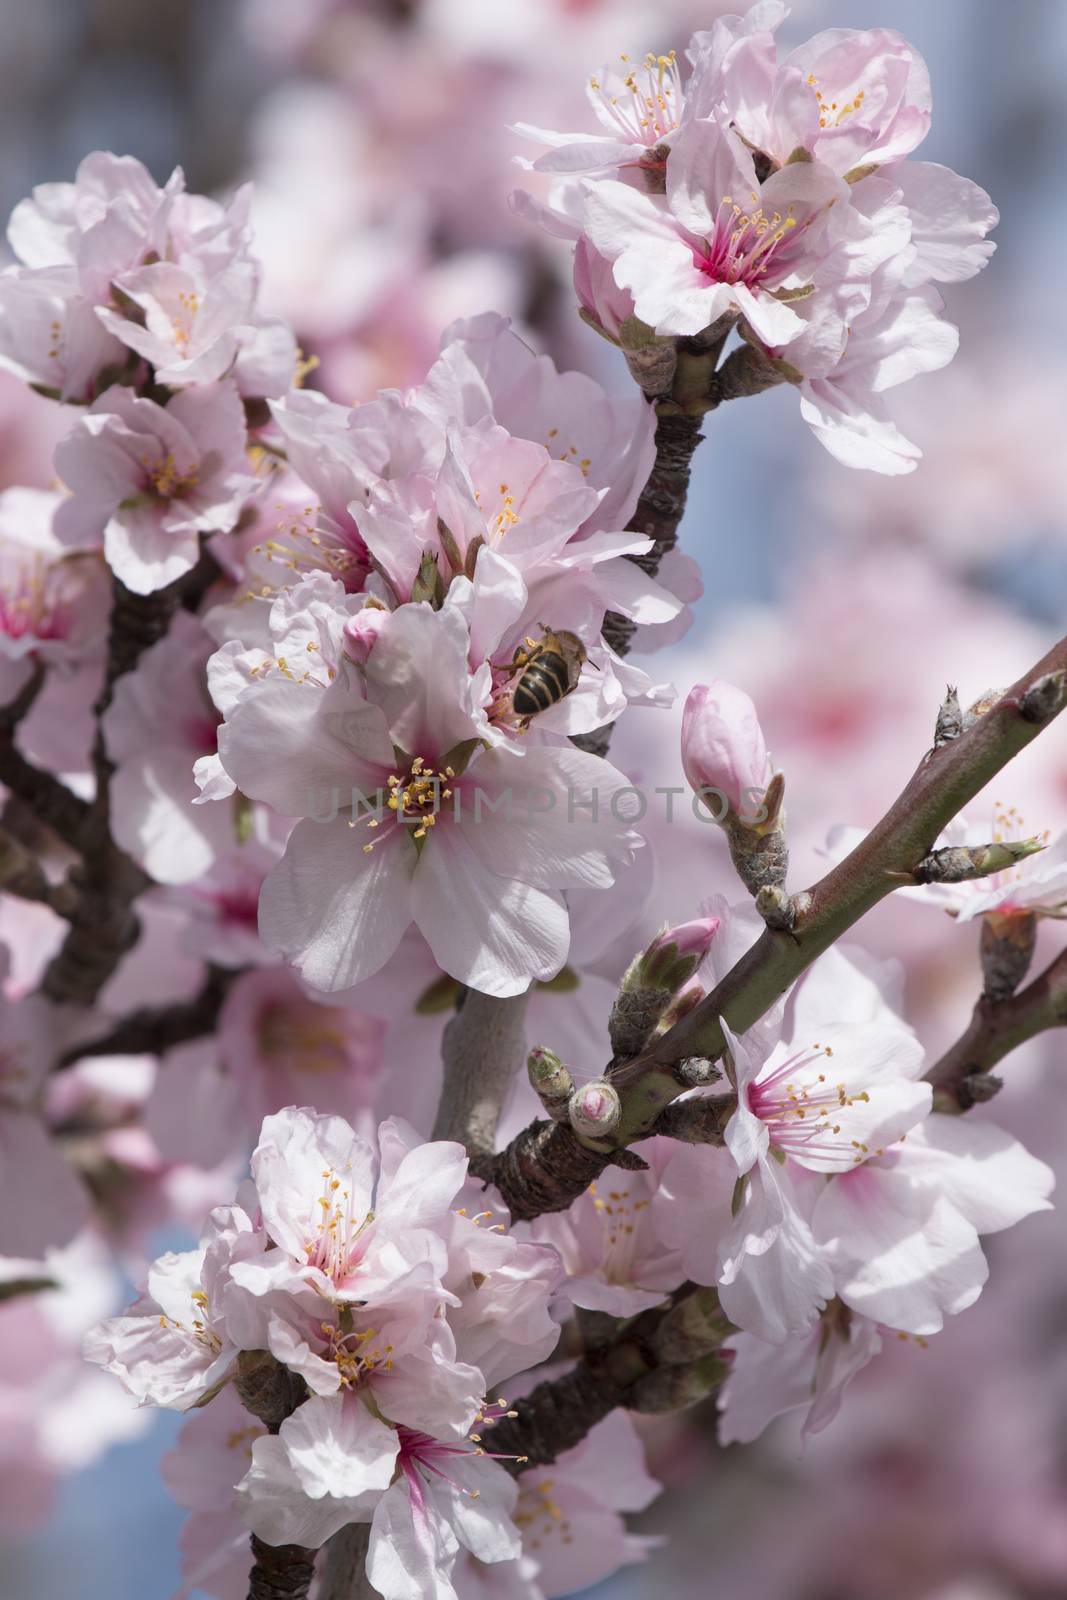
616,1258
333,1462
435,836
172,1348
148,480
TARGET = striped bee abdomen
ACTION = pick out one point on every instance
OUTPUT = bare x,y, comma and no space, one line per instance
544,682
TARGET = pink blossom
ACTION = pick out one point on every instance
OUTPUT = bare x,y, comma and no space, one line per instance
809,1374
329,1466
53,604
281,1047
172,1348
149,479
719,241
485,893
344,1219
486,369
640,105
502,1286
901,1232
569,1516
723,747
847,97
617,1259
159,723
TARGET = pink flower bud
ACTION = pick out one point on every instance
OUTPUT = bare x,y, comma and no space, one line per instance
598,293
595,1110
689,938
362,630
723,747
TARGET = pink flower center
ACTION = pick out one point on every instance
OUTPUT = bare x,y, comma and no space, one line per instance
304,1038
310,541
832,113
619,1214
339,1242
750,247
166,480
32,606
805,1111
414,801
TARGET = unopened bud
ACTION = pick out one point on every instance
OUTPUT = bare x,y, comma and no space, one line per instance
1007,948
775,905
551,1082
696,1072
654,978
723,749
960,863
428,584
595,1110
949,723
693,1328
650,358
362,630
1044,698
701,1120
689,998
674,1388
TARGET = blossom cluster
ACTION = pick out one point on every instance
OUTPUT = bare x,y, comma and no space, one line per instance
313,686
402,1311
776,196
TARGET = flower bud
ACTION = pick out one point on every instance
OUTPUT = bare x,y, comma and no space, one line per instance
654,978
551,1082
362,630
961,863
674,1388
693,1328
684,1002
595,1110
604,305
723,750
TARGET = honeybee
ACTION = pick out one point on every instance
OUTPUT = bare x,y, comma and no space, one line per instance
550,669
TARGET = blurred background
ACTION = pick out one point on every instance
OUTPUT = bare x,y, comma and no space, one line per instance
375,132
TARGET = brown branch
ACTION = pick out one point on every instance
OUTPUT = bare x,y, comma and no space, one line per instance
663,1360
545,1169
153,1030
961,1077
272,1392
103,924
48,800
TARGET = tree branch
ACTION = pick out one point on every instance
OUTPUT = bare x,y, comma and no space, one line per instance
997,1027
344,1566
665,1359
103,924
272,1392
152,1030
49,800
542,1170
483,1046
